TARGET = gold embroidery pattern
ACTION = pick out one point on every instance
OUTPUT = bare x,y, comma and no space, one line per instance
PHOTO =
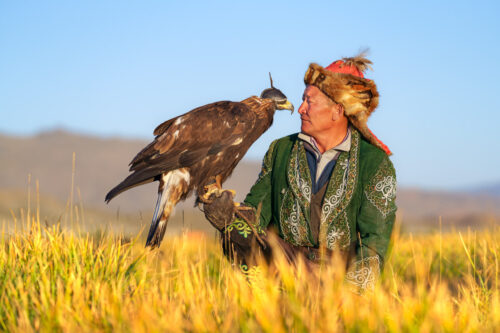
295,206
339,233
241,226
292,221
298,174
339,194
332,201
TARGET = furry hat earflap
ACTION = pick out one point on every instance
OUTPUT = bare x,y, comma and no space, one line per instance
343,81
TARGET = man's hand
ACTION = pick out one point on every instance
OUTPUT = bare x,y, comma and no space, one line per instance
220,209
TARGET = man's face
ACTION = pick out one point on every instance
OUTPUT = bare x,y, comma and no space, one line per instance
317,112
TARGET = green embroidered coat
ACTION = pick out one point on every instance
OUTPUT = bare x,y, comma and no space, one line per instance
358,209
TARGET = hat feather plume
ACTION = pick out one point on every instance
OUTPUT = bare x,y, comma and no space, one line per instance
359,61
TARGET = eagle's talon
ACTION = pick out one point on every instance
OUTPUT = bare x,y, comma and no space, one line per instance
211,189
204,200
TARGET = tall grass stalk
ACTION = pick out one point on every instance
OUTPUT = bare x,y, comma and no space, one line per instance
53,279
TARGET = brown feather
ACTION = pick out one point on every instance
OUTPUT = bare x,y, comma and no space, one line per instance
359,61
163,126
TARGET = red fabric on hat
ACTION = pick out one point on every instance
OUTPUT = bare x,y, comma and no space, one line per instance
339,67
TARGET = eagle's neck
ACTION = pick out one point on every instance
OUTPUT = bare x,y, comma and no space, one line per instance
263,107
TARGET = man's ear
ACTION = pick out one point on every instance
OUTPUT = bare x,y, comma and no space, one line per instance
341,110
337,111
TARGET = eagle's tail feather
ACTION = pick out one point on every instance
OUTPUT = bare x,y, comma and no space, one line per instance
173,185
123,186
158,224
137,178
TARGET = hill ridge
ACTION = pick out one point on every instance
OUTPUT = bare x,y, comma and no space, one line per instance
102,162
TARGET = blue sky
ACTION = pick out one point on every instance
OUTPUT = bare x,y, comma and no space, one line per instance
119,68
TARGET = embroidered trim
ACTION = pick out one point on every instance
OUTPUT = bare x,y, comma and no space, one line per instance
241,226
333,200
364,273
295,205
388,188
339,236
339,194
298,172
381,191
292,221
267,162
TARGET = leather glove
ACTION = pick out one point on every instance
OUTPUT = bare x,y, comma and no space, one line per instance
220,210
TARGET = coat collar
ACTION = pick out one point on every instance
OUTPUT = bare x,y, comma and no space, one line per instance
340,188
345,145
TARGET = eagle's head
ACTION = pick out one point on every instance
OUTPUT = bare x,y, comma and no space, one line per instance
277,96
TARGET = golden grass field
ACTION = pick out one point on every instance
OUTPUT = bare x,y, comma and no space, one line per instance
58,280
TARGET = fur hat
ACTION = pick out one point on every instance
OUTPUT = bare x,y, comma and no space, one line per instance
343,81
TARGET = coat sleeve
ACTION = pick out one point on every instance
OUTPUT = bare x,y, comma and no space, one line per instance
260,193
374,227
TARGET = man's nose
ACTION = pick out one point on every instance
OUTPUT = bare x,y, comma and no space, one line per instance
302,108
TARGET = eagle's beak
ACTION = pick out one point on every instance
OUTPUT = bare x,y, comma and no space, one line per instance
286,106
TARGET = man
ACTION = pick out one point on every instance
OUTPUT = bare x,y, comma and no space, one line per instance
329,188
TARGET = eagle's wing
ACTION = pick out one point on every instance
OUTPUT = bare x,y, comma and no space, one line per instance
187,139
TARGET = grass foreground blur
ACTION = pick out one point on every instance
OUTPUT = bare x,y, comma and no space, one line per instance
57,280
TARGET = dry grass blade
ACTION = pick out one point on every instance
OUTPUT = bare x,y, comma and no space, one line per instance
57,280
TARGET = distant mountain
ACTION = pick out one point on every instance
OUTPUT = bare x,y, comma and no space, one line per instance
489,189
421,209
101,163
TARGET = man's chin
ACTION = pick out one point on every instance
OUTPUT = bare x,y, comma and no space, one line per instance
304,130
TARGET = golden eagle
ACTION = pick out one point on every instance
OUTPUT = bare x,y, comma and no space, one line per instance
192,150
